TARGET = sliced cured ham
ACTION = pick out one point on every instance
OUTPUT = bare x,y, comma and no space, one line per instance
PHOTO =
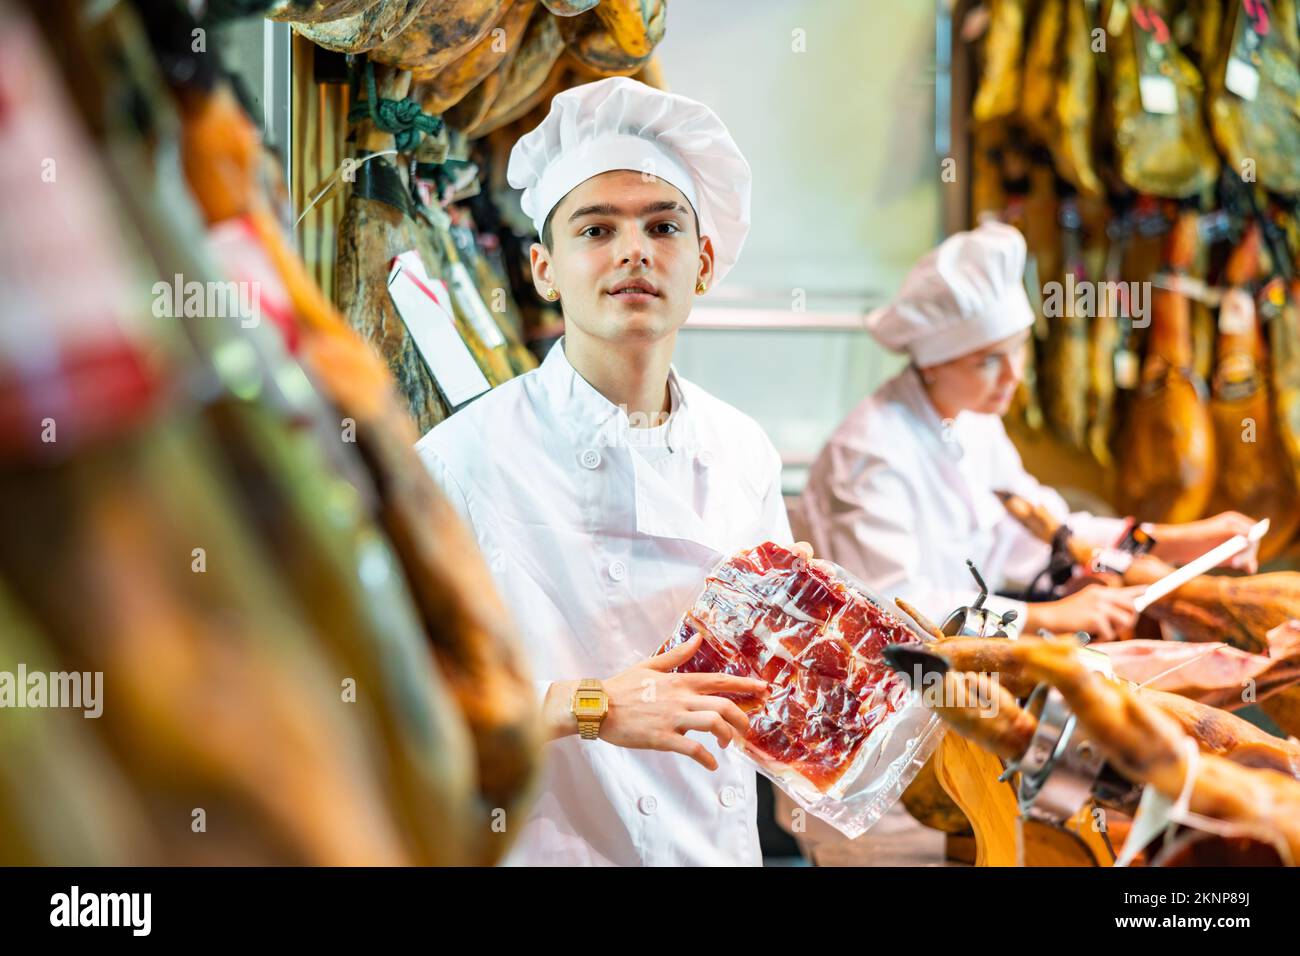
1212,673
1240,611
817,640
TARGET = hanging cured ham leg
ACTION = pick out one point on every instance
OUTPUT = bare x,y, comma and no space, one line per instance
1166,458
1253,476
464,620
1146,744
1212,673
1284,356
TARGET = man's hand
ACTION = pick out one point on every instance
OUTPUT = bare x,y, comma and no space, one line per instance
652,709
1105,613
1180,543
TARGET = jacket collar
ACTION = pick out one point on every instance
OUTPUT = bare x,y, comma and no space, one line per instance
590,419
588,414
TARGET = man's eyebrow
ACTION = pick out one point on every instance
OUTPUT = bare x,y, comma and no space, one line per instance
608,209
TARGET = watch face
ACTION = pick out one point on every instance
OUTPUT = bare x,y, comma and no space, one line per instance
589,705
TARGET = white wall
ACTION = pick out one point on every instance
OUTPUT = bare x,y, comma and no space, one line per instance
846,192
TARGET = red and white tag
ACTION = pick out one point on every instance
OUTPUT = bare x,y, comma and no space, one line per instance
425,307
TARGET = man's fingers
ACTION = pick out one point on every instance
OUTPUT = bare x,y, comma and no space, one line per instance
674,656
804,548
676,743
712,683
706,721
727,709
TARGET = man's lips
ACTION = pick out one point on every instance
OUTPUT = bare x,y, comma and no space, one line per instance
634,290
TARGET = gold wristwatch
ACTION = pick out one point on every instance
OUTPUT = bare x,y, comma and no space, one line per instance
590,705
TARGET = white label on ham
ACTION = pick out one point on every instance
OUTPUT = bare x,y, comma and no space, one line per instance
425,306
1126,369
1159,95
473,307
1241,78
1237,312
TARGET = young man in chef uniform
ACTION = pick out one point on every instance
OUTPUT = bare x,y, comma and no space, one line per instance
602,487
903,493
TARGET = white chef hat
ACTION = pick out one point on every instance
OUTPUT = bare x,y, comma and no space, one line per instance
620,123
966,293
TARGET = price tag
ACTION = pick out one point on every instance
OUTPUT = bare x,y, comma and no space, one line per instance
473,308
1117,19
1242,78
1126,369
1159,95
425,307
1236,312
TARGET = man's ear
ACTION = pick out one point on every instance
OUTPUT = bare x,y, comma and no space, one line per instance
706,261
543,274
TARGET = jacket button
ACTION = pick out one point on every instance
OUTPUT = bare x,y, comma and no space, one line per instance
728,796
647,805
590,459
705,458
618,570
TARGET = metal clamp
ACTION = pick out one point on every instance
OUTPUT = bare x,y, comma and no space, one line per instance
977,620
1059,768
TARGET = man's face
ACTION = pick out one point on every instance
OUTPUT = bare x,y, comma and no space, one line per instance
625,257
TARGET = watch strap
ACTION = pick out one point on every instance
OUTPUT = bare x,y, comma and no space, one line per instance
589,727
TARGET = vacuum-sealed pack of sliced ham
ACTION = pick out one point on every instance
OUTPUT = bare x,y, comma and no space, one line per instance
837,730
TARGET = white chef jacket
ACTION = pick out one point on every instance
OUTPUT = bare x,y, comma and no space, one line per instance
598,548
902,498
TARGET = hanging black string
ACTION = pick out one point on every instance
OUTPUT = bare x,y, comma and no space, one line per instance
403,118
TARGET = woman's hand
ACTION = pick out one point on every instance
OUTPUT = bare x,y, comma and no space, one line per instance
1105,613
1180,543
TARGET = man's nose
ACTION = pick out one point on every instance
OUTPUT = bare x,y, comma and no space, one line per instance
635,250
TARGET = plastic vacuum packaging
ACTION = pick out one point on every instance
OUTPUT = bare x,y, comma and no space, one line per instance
837,730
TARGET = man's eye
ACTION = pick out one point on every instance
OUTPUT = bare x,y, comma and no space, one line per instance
672,227
591,231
